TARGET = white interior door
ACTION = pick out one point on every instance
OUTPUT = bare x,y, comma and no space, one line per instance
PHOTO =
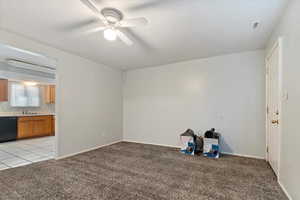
273,107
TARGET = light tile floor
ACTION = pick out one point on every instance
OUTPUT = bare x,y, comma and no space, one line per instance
24,152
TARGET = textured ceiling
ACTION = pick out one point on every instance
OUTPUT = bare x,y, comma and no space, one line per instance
178,30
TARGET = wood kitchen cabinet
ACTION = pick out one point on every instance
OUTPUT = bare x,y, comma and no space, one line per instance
35,126
52,125
49,94
3,90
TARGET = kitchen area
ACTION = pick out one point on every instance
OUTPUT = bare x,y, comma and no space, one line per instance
27,108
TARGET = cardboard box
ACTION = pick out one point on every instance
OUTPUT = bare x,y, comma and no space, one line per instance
211,147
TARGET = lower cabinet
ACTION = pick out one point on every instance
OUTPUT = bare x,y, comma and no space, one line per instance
53,126
35,126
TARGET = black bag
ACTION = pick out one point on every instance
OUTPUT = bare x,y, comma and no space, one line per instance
211,134
199,144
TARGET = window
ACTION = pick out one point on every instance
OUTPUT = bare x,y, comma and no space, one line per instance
24,96
33,98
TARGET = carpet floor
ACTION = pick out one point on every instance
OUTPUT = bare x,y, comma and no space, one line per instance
141,172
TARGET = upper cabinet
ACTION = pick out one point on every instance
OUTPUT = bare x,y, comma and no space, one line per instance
3,90
49,94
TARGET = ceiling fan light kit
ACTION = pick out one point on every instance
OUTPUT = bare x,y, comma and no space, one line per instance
113,20
110,34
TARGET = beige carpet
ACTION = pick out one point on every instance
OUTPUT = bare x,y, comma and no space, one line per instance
136,171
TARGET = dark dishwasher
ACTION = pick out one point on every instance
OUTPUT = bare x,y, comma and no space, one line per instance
8,129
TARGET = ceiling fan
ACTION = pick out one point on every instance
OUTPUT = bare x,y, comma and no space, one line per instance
113,20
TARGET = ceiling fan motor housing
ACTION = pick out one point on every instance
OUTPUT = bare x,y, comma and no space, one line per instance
112,15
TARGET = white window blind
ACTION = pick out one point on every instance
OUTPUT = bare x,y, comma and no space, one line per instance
33,96
24,96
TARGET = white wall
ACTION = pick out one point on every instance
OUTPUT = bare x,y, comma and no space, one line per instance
225,92
89,98
289,28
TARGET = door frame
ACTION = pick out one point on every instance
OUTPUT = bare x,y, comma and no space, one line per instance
277,44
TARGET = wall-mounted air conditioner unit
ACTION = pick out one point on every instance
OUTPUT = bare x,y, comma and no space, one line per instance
30,66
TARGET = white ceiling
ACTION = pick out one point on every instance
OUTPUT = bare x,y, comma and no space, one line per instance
178,30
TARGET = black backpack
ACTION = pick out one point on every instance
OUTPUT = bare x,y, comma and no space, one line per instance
211,134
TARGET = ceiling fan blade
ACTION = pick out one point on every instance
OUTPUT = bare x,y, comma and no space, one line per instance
124,38
93,6
134,22
90,27
94,30
150,4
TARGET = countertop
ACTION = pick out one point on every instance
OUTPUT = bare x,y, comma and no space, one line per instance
24,115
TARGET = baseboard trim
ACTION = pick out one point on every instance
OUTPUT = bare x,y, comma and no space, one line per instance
284,190
243,155
178,147
87,150
156,144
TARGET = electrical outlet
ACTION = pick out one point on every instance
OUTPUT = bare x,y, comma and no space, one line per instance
285,96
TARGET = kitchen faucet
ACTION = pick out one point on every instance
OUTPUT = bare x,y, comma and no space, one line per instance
26,112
